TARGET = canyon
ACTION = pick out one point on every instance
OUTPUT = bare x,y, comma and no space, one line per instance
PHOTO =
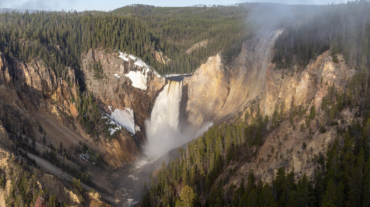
152,111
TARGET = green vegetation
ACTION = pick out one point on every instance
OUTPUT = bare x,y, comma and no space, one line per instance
91,118
98,70
61,38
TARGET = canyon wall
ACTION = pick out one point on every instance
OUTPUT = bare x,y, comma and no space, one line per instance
226,93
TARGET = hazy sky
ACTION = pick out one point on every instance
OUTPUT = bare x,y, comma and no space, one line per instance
106,5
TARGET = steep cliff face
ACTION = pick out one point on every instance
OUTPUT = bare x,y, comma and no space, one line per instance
307,87
29,88
301,87
217,92
206,91
248,75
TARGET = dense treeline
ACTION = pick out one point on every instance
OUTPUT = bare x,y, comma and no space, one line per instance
343,28
60,38
224,26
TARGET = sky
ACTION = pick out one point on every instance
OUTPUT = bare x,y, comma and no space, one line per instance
107,5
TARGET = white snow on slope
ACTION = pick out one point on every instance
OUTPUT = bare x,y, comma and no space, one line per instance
125,118
123,56
122,118
132,57
139,78
137,128
117,75
114,125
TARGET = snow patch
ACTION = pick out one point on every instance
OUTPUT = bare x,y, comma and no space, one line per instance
85,156
123,56
139,79
117,75
123,118
132,57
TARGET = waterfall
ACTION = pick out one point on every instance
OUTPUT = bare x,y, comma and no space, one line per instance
162,129
166,108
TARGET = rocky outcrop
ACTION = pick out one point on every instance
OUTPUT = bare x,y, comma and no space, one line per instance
206,91
118,88
160,57
217,93
56,187
248,75
301,87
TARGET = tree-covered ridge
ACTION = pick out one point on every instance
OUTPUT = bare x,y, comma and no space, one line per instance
224,26
343,28
61,38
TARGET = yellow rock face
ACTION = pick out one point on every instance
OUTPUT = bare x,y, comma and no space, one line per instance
207,90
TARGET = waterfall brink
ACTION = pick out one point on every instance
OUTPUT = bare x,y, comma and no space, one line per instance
163,128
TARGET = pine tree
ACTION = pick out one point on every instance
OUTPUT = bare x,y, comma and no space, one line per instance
187,195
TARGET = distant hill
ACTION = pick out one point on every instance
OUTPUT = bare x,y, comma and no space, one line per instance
2,10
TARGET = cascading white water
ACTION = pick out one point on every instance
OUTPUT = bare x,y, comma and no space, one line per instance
163,128
166,108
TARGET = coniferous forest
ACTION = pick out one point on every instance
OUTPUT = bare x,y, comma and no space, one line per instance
60,38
